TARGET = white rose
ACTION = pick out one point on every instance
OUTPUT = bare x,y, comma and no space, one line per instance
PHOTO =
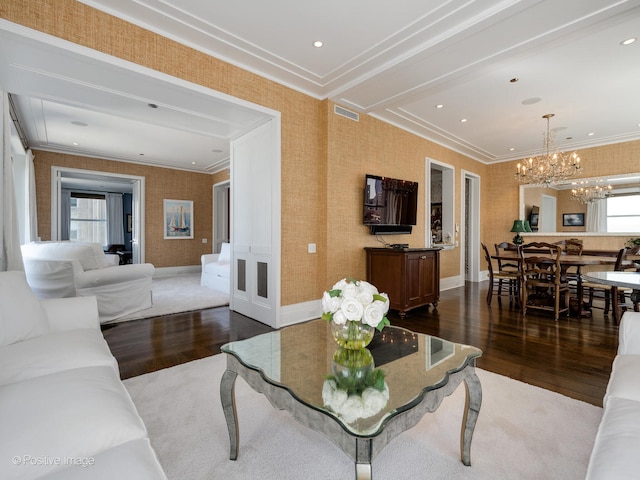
330,304
366,286
373,314
352,309
340,285
352,409
365,297
339,318
385,303
374,400
350,290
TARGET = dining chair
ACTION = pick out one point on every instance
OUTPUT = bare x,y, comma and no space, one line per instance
542,282
506,266
599,291
572,246
509,280
630,262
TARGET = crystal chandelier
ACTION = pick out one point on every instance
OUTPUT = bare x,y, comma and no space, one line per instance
590,193
550,166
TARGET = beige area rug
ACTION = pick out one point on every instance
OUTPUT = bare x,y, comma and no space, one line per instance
176,294
523,432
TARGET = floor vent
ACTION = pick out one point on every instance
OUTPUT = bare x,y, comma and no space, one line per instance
346,113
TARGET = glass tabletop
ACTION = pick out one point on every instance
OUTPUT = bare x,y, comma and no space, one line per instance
363,388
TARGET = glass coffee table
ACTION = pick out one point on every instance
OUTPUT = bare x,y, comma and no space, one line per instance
359,399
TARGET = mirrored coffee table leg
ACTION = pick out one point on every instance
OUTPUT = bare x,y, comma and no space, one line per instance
228,398
471,412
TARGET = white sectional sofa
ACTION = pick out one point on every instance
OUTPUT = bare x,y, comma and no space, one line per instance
64,413
69,269
618,438
216,269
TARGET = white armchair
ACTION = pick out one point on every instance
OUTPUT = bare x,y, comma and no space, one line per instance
216,269
70,269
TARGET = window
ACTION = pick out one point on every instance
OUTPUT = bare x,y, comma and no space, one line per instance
88,218
623,213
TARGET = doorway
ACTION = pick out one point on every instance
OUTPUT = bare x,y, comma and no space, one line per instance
221,215
469,226
94,180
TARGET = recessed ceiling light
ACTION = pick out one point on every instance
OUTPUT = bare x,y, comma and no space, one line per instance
152,105
514,80
75,144
531,101
628,41
318,44
79,124
440,105
590,134
216,150
193,163
464,120
511,149
141,154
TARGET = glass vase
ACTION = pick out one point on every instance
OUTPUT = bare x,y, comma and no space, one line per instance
352,335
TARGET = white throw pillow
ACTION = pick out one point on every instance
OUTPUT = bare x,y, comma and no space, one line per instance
21,315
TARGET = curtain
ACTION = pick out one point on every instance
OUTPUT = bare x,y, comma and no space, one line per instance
32,211
10,255
596,217
65,213
115,223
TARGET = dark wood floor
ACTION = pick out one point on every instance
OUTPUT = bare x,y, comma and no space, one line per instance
572,356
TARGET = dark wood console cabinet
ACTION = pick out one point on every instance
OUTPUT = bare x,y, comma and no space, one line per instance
410,276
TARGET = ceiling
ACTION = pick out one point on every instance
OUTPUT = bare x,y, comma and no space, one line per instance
394,60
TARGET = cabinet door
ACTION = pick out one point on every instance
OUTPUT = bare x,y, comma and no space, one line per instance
415,279
429,278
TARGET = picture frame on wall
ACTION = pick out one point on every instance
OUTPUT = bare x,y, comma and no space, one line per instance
573,219
178,219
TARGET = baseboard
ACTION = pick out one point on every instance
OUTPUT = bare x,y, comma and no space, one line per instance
451,282
300,312
183,270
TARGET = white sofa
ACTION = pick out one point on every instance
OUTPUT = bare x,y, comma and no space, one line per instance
70,269
216,269
618,439
64,413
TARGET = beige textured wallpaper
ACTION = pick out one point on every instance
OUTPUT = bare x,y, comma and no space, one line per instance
324,156
160,183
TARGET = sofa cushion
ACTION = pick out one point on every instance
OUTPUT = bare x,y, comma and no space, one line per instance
54,353
623,381
90,255
21,315
617,442
218,269
72,414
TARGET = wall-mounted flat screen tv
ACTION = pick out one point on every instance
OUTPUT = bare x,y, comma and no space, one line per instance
390,205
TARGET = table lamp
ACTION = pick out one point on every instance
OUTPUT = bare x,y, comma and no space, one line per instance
520,226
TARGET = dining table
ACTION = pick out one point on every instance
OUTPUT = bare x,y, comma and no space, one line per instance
566,261
618,279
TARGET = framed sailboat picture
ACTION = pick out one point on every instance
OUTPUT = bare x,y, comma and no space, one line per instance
178,219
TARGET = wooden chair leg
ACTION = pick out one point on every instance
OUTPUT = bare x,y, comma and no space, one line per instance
490,293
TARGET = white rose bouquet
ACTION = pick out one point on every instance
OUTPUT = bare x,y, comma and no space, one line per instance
354,399
356,301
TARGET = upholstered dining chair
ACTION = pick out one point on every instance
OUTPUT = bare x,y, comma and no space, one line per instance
499,280
542,282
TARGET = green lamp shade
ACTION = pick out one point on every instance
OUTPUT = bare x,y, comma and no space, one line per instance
518,226
527,226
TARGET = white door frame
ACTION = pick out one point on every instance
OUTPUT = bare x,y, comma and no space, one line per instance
220,208
471,274
137,205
